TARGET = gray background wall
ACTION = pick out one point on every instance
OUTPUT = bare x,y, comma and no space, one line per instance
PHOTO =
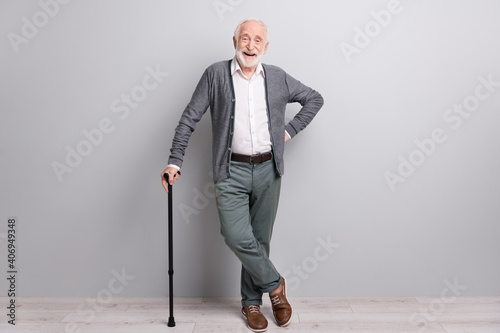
370,205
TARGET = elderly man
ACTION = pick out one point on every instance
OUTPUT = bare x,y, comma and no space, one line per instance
247,101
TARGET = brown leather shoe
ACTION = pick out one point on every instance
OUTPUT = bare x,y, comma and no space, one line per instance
282,310
255,319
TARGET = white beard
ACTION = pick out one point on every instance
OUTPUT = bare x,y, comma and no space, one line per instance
253,62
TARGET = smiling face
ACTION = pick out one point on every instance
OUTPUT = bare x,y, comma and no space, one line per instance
250,43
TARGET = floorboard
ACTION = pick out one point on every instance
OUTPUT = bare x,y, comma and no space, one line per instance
221,315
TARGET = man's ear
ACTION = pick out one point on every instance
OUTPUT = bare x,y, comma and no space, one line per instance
234,42
265,48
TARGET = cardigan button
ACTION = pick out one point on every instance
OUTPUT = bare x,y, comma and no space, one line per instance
232,100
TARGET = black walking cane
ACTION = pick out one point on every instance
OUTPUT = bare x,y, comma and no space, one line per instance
171,321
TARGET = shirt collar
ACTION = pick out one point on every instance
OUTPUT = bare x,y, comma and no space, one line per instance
235,66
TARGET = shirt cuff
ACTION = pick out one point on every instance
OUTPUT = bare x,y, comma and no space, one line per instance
174,166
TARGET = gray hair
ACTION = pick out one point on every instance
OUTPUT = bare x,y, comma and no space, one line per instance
238,28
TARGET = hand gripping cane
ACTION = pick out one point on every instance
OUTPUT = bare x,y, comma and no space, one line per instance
171,321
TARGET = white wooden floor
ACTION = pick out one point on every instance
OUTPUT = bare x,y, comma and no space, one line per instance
199,315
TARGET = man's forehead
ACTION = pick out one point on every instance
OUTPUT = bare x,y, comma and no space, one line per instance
253,28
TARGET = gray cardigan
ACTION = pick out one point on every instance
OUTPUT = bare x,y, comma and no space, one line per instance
215,90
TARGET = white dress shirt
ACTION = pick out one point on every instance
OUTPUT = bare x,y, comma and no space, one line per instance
251,128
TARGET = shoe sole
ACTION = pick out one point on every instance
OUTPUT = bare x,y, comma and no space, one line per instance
252,329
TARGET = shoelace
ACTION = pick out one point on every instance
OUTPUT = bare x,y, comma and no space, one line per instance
253,309
275,300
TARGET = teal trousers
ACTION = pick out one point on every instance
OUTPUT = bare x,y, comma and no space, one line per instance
247,203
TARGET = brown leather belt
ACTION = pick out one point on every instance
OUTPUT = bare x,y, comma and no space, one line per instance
254,159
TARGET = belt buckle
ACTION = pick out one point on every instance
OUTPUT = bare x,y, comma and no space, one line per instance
251,157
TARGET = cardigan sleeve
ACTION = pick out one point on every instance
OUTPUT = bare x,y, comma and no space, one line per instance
192,114
311,102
